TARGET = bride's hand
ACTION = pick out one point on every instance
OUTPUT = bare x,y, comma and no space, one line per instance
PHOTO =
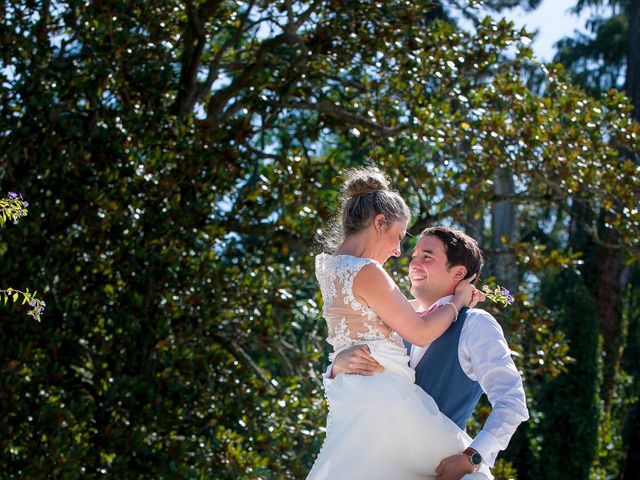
476,297
466,294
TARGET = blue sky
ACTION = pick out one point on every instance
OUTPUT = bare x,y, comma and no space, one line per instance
553,21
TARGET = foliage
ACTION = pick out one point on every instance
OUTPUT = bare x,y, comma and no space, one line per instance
597,59
37,305
185,156
572,397
498,294
12,208
606,58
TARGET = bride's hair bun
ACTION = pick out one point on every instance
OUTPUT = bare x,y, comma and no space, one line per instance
362,181
365,194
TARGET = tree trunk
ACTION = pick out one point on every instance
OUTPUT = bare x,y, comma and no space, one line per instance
474,223
631,434
504,231
612,282
632,81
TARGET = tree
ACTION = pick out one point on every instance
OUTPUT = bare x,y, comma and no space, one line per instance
185,156
14,207
596,62
572,396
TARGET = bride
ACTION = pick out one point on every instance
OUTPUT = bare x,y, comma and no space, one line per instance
381,427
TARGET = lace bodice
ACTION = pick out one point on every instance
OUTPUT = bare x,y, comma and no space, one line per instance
349,319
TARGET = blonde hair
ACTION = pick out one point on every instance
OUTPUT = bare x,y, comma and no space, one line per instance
365,194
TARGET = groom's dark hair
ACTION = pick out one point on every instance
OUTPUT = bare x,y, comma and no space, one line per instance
460,248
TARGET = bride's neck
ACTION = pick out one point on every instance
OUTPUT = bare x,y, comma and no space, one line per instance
357,245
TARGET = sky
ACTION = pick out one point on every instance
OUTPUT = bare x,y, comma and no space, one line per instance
553,21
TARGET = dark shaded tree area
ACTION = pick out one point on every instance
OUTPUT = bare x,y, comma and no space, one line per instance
180,158
606,57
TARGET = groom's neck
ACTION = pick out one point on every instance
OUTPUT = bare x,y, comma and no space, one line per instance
427,300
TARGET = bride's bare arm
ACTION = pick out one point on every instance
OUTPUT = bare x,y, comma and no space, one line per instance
384,297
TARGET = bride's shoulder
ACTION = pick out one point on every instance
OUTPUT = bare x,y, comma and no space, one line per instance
320,258
344,261
371,275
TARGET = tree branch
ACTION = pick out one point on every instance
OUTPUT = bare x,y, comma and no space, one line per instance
220,99
214,66
592,229
264,231
194,43
348,117
260,153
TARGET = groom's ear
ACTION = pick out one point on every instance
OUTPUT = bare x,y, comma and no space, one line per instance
459,272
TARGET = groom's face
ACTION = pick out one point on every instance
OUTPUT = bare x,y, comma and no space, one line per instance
429,271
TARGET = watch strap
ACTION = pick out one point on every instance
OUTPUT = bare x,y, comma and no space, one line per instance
474,457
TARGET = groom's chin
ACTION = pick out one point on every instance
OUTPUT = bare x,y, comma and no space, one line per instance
418,291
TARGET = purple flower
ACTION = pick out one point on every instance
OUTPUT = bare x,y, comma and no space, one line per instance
13,195
26,204
485,287
509,298
32,303
505,291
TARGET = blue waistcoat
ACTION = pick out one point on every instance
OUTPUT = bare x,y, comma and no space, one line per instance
440,375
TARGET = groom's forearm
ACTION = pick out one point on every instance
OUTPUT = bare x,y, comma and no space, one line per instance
508,411
487,359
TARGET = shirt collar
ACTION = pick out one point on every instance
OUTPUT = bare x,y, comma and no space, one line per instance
438,303
444,300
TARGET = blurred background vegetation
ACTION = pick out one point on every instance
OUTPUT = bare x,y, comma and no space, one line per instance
180,158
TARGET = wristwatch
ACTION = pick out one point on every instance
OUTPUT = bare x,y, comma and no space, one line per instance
474,457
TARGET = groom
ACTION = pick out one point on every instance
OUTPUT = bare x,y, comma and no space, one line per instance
470,358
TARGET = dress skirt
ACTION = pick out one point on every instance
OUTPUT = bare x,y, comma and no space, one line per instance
385,427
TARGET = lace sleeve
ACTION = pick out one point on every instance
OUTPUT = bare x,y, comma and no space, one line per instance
349,320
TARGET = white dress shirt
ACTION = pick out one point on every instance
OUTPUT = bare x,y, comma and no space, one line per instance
485,358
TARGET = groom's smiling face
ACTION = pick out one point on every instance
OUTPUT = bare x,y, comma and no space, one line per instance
431,277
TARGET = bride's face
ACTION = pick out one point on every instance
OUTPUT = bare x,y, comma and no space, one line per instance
390,239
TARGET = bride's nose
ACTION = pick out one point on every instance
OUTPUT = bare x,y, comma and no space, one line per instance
395,252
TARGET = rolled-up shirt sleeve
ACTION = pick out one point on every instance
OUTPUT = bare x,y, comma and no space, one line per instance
486,358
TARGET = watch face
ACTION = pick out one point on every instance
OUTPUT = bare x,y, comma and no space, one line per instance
476,458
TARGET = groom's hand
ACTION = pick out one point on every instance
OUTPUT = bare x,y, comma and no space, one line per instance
356,359
454,467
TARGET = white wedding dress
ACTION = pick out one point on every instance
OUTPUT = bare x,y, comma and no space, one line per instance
380,427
